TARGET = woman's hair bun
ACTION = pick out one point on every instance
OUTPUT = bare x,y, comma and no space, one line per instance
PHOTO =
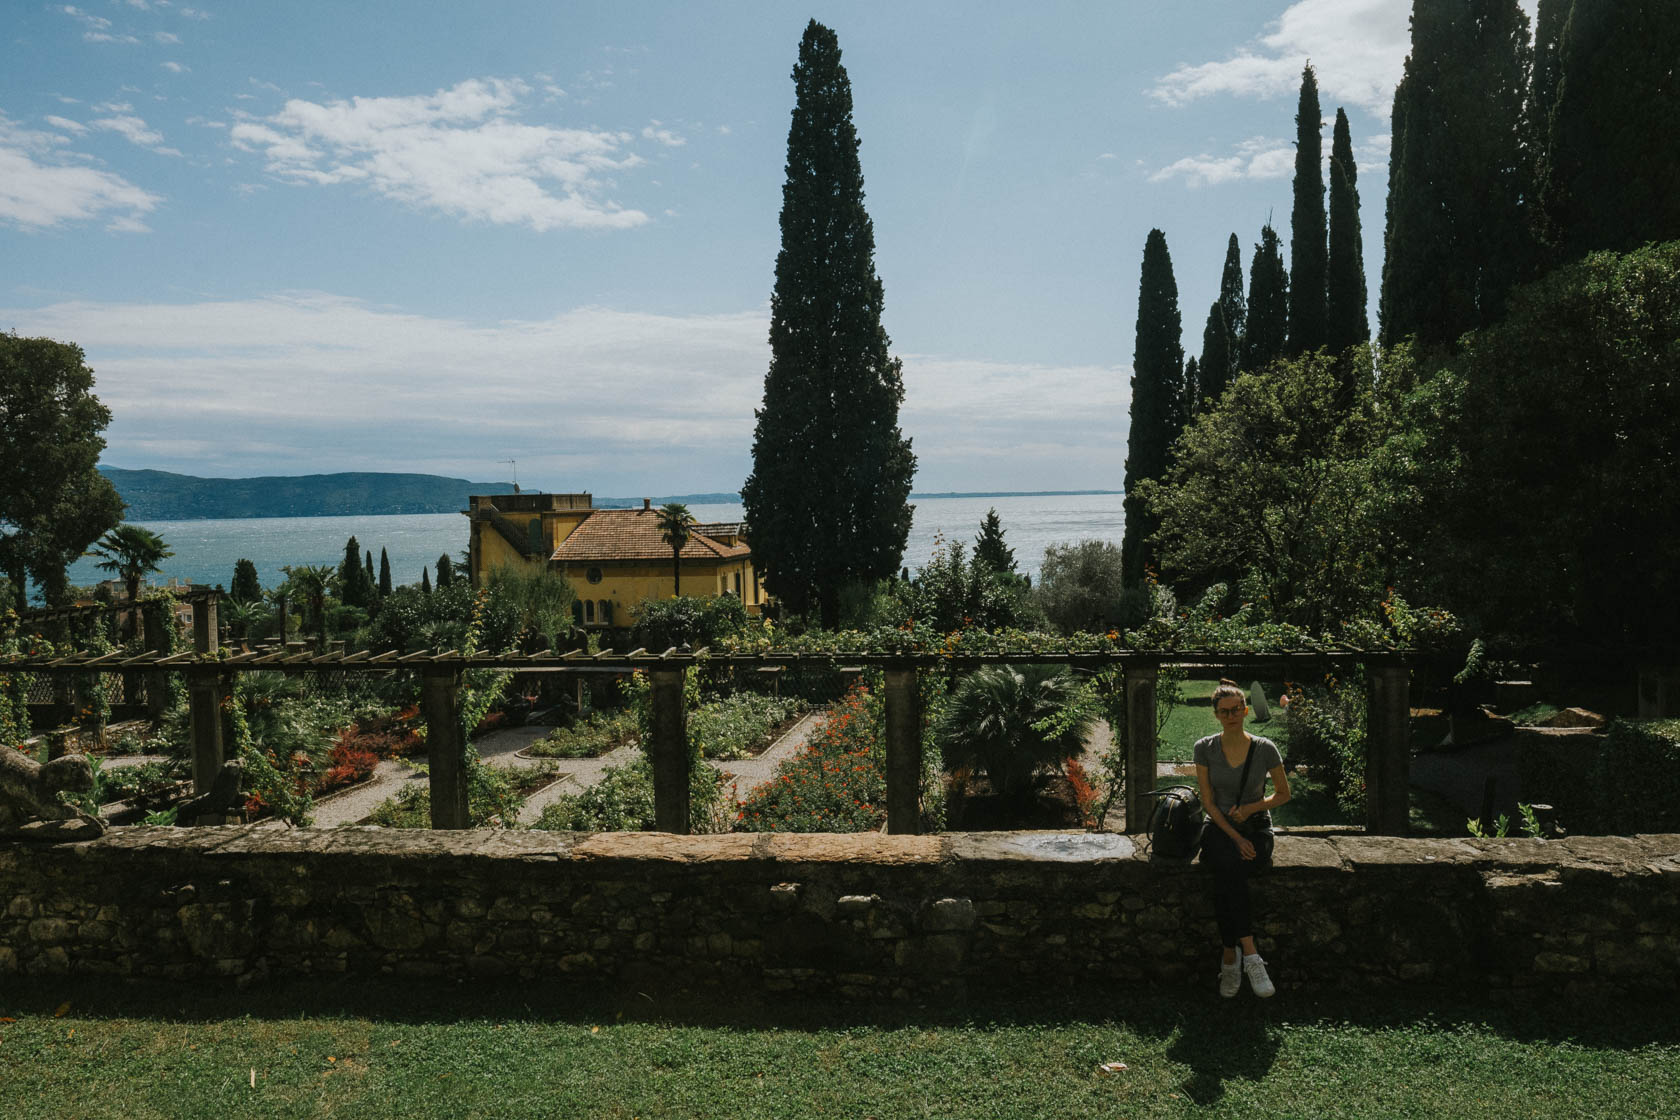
1229,681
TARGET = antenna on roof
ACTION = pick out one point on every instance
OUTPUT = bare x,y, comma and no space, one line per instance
514,464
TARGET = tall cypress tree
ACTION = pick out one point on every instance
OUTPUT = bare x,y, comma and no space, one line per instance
1157,399
1214,370
384,574
1307,268
352,590
1347,322
1460,181
990,551
1232,304
1268,304
1609,92
827,500
245,588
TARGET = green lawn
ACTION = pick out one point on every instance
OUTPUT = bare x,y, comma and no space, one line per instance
424,1049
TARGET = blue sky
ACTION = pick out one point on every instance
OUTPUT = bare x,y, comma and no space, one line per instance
321,236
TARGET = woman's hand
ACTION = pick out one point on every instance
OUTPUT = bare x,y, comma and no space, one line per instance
1245,847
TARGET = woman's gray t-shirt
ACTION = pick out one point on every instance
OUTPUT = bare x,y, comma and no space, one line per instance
1223,778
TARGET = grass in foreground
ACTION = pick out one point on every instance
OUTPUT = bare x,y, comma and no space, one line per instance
388,1050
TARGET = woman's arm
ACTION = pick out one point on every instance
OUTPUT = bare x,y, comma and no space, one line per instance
1280,796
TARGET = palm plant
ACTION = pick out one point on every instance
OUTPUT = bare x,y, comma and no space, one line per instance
1011,722
314,582
131,552
676,525
243,617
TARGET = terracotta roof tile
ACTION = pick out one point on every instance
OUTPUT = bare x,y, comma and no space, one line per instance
633,534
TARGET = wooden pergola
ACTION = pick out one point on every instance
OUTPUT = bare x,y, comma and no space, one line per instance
209,674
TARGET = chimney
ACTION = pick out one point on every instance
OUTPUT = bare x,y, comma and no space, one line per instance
647,503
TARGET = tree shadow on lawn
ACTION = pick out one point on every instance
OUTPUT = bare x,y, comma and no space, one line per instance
1220,1039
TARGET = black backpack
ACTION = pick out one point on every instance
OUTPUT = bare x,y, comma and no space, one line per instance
1175,827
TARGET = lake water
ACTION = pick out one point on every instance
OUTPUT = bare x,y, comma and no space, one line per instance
205,551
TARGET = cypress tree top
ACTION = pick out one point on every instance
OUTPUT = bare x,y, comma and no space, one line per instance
1268,304
1347,323
827,500
1306,225
1232,304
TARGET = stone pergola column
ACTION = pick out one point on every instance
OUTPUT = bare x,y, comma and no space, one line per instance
1140,744
1388,749
205,695
206,636
440,703
669,751
904,750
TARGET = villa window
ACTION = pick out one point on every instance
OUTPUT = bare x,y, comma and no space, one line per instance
588,611
593,575
737,585
606,612
577,611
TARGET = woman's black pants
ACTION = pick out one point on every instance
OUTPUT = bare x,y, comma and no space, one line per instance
1230,881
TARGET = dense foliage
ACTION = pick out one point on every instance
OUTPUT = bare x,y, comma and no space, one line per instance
693,620
1014,723
836,783
1267,331
54,502
827,499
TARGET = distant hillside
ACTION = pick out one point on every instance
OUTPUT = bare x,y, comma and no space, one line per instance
162,496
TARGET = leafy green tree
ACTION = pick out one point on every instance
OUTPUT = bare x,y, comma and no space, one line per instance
953,592
1014,722
1308,269
693,620
1460,181
1157,410
989,548
827,499
1610,97
1274,488
131,552
246,587
1233,306
1541,466
54,503
1267,332
445,571
1080,586
313,583
384,574
1347,323
676,525
537,604
1215,370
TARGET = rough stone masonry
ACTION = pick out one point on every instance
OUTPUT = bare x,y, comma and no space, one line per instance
866,915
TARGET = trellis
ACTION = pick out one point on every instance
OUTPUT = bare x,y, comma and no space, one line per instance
209,676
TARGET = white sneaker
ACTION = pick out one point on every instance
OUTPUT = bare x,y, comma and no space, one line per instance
1255,968
1230,977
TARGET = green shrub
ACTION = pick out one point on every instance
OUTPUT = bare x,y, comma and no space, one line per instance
622,801
1325,725
738,726
1635,780
593,736
696,620
1014,722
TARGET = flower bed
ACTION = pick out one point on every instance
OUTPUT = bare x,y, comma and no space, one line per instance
837,783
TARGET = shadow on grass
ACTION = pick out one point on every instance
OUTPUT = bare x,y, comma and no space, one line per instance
1220,1039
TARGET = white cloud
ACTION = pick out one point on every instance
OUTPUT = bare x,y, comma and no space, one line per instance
460,151
39,191
86,19
167,38
174,67
67,124
136,132
194,13
662,135
1256,158
1357,47
277,384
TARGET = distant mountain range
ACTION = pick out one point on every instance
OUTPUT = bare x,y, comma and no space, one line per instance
163,496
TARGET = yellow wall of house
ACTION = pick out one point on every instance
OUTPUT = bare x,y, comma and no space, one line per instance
628,585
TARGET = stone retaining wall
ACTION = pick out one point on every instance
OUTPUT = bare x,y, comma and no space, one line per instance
866,915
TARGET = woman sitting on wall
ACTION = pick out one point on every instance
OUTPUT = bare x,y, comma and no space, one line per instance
1231,771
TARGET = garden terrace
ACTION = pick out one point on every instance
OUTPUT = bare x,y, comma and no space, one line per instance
208,677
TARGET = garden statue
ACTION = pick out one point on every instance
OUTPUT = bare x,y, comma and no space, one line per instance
219,802
29,792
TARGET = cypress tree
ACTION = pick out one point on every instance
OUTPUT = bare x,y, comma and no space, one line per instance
1307,268
372,579
1611,163
1268,304
827,500
989,550
384,574
352,591
1347,323
445,571
245,588
1214,370
1192,390
425,580
1232,304
1157,412
1460,182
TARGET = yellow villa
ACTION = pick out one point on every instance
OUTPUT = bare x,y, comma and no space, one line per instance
615,559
